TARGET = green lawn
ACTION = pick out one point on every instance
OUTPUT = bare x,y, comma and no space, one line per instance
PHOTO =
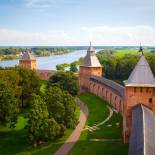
14,141
98,112
126,51
123,52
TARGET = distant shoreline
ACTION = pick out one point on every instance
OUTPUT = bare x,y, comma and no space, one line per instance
15,53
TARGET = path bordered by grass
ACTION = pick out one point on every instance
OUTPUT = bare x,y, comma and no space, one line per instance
15,142
98,111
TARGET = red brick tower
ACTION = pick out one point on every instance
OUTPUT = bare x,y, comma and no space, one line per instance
139,89
90,66
27,60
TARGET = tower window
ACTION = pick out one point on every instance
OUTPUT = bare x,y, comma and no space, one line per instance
134,90
141,90
150,100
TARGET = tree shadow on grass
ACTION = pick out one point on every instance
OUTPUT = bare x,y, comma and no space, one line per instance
16,142
13,142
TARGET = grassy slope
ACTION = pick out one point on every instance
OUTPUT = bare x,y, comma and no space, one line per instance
98,112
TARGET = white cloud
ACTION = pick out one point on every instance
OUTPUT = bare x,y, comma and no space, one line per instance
13,37
101,35
43,3
127,35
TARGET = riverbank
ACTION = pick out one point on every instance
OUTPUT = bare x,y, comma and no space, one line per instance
49,62
11,53
14,57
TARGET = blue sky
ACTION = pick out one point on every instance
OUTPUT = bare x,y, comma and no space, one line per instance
76,22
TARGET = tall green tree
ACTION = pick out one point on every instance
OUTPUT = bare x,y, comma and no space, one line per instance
66,81
30,83
12,79
61,106
41,127
73,67
70,118
60,67
8,105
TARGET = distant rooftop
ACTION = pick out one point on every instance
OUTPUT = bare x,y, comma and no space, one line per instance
27,55
90,60
141,75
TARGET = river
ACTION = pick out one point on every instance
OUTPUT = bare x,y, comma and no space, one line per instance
50,62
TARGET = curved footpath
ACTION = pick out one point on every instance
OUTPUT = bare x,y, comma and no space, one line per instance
66,147
95,126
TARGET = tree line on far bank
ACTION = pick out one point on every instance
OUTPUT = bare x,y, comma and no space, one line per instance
49,112
10,53
119,68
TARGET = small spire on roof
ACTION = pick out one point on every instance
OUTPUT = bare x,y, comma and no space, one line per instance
90,43
141,49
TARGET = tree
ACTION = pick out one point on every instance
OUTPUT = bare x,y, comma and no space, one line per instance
60,67
54,101
41,126
117,68
30,83
66,81
11,78
73,67
70,118
8,105
61,106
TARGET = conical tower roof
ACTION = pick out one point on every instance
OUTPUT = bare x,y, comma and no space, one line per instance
90,60
142,75
27,56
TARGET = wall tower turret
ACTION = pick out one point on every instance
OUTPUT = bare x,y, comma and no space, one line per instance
27,60
139,89
90,66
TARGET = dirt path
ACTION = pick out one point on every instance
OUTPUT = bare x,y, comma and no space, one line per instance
66,147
